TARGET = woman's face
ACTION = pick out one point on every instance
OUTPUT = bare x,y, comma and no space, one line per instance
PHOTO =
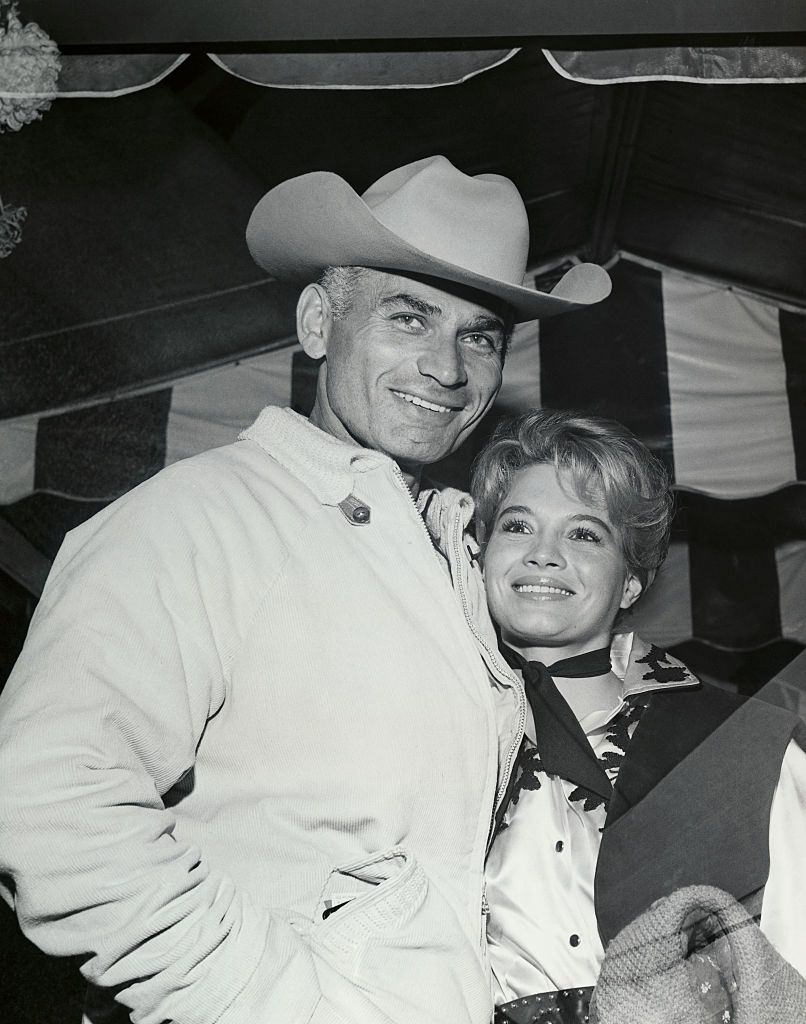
554,568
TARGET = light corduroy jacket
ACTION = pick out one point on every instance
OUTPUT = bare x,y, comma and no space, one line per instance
242,704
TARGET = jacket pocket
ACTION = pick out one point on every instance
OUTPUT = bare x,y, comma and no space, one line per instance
391,949
367,899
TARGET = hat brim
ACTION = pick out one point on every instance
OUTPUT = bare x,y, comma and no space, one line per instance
317,220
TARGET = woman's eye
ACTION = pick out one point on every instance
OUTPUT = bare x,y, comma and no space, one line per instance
514,526
585,533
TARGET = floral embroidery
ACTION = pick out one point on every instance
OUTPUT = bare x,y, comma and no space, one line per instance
590,800
661,669
528,769
621,731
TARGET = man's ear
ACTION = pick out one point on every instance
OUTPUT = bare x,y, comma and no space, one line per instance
313,320
632,591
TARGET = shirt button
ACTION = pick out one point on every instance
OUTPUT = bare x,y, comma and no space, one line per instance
575,940
559,846
361,514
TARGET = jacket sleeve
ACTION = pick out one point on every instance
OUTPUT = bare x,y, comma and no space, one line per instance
783,912
126,660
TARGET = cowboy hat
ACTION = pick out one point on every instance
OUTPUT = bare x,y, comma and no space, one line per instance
424,218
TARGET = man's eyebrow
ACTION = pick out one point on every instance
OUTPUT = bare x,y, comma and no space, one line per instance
484,322
412,301
481,322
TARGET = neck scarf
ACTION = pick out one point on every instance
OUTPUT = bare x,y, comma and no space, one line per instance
562,743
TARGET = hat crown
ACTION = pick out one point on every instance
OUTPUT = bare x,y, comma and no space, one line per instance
477,222
425,218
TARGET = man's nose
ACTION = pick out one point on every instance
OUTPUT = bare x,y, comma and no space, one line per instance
544,552
443,360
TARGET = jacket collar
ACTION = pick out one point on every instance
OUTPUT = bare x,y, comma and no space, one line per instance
440,508
326,464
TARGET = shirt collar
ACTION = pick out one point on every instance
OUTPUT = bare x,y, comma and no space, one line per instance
328,465
644,668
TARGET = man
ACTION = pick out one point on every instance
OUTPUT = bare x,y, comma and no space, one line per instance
250,753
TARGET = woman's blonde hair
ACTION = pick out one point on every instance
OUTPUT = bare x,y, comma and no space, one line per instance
606,464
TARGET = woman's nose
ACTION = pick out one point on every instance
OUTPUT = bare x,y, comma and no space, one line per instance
544,552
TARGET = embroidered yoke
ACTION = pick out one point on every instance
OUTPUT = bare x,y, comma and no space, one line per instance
542,928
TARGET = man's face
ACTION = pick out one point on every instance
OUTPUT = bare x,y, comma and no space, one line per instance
411,370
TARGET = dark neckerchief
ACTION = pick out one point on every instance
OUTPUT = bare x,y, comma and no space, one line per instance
581,666
564,748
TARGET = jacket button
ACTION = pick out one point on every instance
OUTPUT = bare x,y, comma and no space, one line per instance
575,940
361,514
559,846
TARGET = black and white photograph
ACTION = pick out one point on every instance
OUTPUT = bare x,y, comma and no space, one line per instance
403,512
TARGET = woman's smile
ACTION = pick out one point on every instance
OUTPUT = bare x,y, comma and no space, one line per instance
545,589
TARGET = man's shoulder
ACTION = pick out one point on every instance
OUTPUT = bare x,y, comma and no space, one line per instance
252,461
225,492
192,482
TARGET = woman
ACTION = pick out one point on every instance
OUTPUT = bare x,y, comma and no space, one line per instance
633,778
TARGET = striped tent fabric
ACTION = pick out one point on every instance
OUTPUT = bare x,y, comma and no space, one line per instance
715,382
712,379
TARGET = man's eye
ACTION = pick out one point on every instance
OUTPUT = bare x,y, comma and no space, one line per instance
482,341
585,533
407,319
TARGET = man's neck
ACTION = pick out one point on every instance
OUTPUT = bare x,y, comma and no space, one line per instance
411,473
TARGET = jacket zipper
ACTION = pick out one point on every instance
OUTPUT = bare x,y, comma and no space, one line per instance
402,480
485,910
456,541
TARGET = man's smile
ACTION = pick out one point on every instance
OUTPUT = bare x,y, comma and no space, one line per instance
423,403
